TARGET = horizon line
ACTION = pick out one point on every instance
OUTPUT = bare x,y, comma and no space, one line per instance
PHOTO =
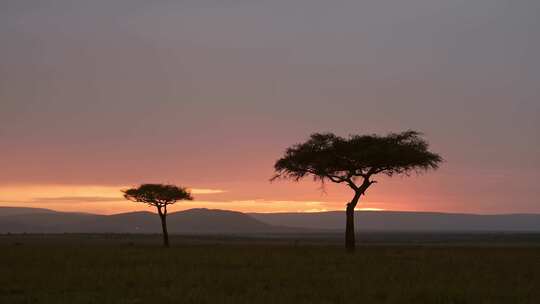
369,210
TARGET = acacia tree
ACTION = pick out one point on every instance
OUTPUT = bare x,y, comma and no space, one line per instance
159,196
354,161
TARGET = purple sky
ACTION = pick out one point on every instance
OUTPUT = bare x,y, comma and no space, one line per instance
208,94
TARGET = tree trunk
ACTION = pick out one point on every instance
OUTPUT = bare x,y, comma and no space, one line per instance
163,217
165,232
350,242
349,229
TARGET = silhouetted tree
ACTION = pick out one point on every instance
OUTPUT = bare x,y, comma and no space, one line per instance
159,196
354,161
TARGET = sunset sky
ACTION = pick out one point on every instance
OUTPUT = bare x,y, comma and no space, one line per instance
97,96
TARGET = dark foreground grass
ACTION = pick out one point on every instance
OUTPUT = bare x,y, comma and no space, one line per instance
241,273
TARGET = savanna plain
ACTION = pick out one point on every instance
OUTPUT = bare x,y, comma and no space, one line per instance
135,269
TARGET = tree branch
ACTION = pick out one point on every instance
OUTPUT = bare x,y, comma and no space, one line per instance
336,179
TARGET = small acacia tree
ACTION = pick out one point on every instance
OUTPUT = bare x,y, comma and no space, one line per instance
159,196
354,161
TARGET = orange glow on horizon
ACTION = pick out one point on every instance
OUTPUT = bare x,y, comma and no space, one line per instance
109,200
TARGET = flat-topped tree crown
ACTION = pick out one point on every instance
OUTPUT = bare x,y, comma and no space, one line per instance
327,156
359,157
157,194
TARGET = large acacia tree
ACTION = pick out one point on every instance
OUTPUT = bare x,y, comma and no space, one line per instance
355,161
159,196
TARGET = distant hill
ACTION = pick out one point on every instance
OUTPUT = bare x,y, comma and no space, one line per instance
22,210
194,221
206,221
406,221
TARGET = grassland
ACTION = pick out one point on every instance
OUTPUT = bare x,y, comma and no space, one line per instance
90,269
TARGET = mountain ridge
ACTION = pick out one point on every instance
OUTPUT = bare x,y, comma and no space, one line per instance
218,221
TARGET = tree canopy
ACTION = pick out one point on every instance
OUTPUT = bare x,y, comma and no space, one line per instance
157,195
326,156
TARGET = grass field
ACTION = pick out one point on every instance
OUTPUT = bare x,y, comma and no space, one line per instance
64,270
